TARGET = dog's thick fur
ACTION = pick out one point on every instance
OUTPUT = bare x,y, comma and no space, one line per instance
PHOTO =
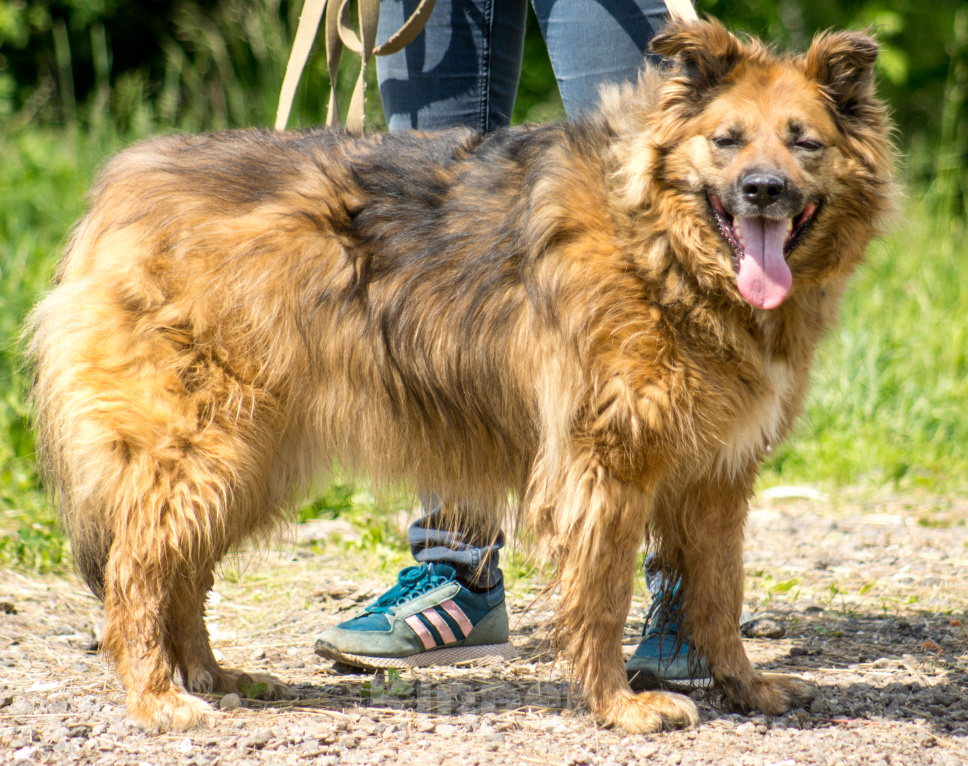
558,311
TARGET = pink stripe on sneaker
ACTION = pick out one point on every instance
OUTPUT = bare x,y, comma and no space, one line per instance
459,617
442,627
421,630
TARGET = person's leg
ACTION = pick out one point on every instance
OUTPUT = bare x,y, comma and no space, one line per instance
474,559
595,42
462,69
448,609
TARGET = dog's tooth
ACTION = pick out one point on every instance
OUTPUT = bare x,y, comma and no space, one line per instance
789,225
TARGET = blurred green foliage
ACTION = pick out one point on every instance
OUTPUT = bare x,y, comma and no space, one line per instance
219,63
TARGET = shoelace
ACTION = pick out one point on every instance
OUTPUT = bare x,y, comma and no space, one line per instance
412,582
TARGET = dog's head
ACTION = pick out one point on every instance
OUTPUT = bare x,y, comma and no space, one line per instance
784,161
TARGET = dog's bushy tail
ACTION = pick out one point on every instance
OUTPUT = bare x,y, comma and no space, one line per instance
65,438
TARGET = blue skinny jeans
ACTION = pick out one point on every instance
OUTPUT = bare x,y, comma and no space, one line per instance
463,69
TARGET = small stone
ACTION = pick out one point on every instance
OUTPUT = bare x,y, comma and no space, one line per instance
763,627
230,702
59,734
184,746
348,741
310,745
20,706
426,726
257,741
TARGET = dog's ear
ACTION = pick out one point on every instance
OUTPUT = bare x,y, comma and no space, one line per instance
705,50
843,64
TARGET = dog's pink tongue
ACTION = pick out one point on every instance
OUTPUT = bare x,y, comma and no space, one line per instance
764,278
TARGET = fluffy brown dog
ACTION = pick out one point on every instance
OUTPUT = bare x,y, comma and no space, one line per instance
613,319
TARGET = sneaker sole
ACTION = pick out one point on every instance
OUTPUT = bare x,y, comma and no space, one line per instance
455,655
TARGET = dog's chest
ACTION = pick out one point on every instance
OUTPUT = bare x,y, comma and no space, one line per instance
762,421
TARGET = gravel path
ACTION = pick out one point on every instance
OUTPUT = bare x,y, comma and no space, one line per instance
865,597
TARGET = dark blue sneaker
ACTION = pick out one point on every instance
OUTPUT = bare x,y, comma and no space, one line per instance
428,618
662,654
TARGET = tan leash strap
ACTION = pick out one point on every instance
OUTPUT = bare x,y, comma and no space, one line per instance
369,11
682,10
340,34
305,34
334,49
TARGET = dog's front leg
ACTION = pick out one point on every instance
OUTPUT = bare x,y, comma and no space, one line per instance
600,526
711,560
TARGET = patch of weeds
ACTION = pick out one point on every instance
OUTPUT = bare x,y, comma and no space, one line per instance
250,689
39,547
336,501
845,610
389,685
774,589
376,521
933,522
823,630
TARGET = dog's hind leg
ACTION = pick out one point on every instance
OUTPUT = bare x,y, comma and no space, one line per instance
176,511
600,526
137,601
710,557
192,650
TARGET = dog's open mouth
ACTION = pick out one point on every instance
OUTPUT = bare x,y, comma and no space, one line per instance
760,246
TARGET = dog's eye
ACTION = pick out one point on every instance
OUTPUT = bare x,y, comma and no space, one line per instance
808,144
726,142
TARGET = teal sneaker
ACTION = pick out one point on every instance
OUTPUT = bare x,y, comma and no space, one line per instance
662,656
428,618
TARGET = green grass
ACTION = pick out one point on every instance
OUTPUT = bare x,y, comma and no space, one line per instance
887,404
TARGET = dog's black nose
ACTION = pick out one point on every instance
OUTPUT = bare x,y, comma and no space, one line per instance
762,189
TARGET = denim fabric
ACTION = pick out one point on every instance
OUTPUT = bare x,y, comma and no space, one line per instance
463,68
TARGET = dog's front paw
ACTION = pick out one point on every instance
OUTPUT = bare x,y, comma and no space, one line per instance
649,712
772,693
171,711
